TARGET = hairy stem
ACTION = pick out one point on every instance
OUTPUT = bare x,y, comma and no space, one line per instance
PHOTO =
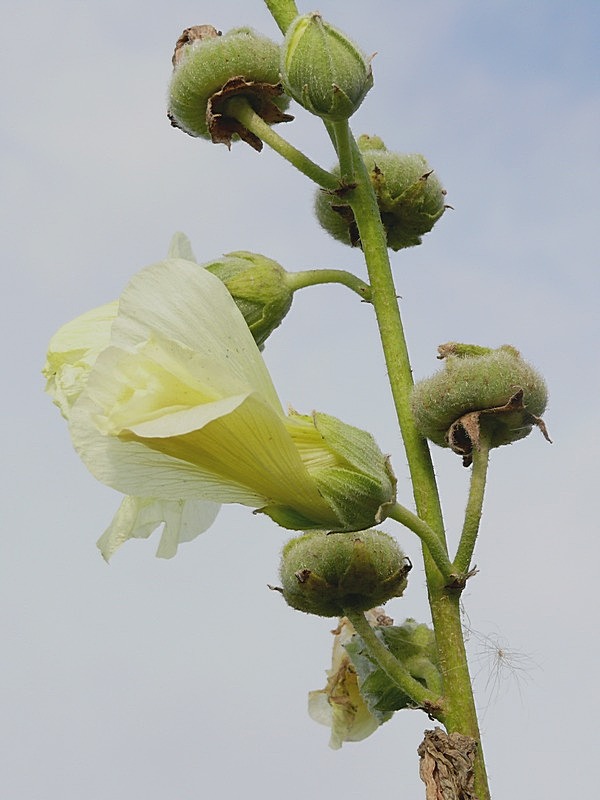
343,145
464,553
240,109
422,697
314,277
283,12
428,537
459,714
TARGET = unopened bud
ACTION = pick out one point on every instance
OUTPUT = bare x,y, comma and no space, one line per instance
259,287
323,70
327,574
410,197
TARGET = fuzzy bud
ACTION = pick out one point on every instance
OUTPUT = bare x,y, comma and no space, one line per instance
410,197
479,391
210,69
259,287
327,574
323,70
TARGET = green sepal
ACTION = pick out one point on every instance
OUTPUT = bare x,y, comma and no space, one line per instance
363,491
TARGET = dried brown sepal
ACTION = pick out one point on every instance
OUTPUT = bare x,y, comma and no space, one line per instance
190,35
260,96
464,434
446,766
347,215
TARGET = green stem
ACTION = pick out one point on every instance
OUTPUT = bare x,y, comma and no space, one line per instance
239,108
428,537
460,714
464,553
314,277
343,145
422,697
283,12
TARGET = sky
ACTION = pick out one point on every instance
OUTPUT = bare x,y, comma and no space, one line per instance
188,677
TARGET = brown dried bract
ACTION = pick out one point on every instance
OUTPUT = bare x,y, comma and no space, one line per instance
446,766
347,215
463,435
190,35
260,96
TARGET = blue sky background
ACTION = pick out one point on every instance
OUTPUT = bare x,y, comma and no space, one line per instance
187,678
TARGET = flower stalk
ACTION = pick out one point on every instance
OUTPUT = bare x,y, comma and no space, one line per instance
240,109
428,537
316,277
464,553
284,12
459,709
422,697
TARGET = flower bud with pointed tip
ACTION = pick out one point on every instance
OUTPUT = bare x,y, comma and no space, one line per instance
211,69
479,390
259,287
326,574
410,197
323,70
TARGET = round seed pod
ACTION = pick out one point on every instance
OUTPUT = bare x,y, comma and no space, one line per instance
479,390
410,197
210,69
327,574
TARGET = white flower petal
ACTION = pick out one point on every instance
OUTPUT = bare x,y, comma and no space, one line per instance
181,247
177,301
138,517
72,352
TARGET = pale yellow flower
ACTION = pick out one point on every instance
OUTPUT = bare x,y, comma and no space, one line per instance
179,406
72,353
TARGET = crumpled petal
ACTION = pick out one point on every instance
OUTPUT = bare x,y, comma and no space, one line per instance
340,704
138,517
72,352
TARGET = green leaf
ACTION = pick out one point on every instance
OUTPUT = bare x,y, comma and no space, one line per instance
413,644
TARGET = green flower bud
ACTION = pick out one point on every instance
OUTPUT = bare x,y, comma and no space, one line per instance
259,287
327,574
351,474
479,392
210,69
409,196
324,70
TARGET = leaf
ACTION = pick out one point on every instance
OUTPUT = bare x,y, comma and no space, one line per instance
413,644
